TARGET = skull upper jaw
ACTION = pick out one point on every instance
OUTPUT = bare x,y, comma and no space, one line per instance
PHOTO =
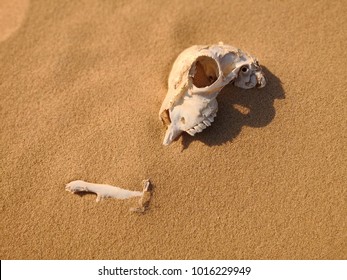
193,111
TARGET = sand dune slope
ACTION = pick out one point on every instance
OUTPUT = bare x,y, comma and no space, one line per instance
81,84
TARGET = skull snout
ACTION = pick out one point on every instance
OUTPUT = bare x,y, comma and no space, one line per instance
171,134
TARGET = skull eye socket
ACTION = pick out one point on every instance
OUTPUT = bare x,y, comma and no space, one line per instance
206,72
244,69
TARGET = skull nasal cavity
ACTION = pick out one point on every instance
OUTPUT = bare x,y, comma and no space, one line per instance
206,72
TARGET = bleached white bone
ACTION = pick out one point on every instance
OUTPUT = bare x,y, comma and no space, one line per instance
197,77
106,191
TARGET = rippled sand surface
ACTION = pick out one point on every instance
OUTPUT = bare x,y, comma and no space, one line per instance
81,84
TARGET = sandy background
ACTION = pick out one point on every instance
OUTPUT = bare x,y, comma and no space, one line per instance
81,84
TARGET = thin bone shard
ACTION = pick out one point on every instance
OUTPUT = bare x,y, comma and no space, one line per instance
107,191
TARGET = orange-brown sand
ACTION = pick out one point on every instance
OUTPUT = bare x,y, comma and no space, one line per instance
81,84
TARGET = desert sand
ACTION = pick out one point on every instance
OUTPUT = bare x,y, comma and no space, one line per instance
81,84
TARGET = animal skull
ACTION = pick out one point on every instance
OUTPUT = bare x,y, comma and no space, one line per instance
197,77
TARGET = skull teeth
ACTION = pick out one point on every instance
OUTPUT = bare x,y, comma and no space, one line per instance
191,131
197,128
210,118
202,125
207,122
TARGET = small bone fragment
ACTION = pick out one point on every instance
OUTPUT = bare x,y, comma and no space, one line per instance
145,198
107,191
